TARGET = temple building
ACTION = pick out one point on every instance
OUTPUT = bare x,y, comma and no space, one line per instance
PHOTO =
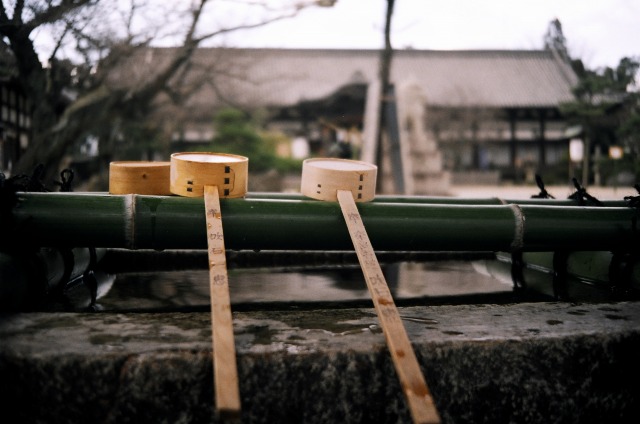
478,114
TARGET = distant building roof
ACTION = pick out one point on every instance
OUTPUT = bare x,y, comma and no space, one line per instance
462,78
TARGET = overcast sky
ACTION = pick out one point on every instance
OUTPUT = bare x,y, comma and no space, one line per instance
600,32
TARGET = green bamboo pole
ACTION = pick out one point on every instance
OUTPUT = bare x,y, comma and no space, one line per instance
431,200
444,200
156,222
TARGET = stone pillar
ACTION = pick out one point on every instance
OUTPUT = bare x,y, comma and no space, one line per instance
424,173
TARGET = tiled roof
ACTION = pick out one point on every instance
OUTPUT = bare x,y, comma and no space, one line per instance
463,78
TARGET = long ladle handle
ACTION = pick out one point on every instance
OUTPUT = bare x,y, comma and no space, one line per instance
225,370
419,399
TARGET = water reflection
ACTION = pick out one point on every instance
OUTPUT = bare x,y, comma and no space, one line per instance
190,287
179,280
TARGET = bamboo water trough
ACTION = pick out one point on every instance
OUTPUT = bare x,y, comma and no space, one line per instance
277,223
447,200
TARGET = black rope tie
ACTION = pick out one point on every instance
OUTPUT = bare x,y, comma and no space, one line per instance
583,198
21,182
10,187
35,182
66,177
544,194
633,201
13,184
517,271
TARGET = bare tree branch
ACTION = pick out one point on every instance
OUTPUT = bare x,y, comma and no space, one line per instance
100,102
3,14
128,19
156,84
197,12
53,54
92,98
17,12
54,13
246,26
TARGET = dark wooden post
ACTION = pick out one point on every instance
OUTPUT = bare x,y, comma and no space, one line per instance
385,81
513,153
542,153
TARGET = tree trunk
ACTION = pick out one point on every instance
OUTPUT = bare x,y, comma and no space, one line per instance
385,71
38,89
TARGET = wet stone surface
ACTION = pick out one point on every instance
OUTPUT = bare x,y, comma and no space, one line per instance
542,362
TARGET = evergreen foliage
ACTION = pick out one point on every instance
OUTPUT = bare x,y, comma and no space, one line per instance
235,133
607,105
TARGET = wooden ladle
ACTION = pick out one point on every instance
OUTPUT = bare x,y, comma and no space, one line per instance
348,182
215,175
